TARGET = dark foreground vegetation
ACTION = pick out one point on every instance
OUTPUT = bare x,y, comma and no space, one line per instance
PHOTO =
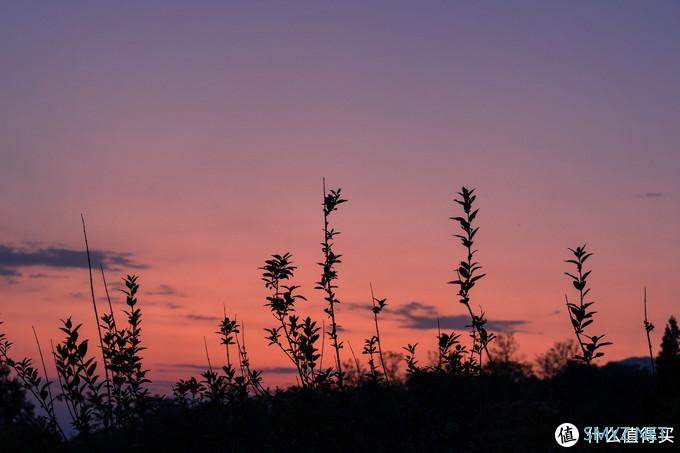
430,412
473,395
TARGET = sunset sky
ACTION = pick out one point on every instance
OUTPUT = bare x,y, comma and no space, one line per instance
194,139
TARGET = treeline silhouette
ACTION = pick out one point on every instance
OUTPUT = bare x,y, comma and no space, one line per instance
466,396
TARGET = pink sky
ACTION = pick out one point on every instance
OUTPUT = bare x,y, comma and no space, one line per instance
197,140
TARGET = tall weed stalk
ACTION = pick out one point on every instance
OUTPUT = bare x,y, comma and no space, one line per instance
648,330
467,276
331,201
107,414
378,306
580,314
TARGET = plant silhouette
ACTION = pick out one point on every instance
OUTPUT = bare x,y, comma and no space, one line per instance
456,401
648,329
467,275
581,316
297,339
329,275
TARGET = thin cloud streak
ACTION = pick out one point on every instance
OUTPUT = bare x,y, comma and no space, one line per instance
163,290
270,370
195,317
652,195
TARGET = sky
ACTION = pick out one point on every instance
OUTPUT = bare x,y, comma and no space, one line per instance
194,136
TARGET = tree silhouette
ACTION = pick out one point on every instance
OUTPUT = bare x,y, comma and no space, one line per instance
668,360
552,362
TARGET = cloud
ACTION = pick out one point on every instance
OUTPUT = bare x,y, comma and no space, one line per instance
278,370
12,259
272,370
39,275
419,316
8,281
191,366
163,290
171,306
5,272
194,317
649,195
354,306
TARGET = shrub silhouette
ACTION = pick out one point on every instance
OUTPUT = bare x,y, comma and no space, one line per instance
14,408
299,338
450,354
20,428
81,387
31,380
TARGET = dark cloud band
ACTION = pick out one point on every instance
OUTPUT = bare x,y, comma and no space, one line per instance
420,316
12,259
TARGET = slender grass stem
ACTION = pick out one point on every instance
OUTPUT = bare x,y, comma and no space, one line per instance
323,343
377,334
96,316
108,297
49,386
648,329
356,361
207,356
